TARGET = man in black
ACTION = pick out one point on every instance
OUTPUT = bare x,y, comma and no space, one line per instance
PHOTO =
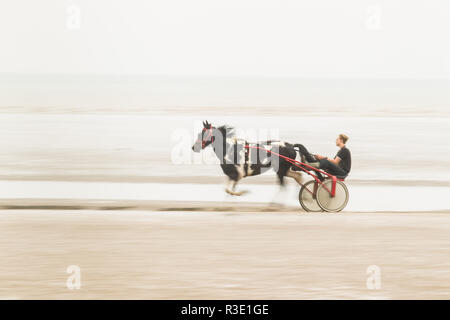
342,162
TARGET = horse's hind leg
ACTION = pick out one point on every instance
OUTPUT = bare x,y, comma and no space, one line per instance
279,197
297,176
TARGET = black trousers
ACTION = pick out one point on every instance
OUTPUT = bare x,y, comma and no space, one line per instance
331,168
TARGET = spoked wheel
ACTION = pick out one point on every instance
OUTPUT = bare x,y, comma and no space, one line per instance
329,203
307,198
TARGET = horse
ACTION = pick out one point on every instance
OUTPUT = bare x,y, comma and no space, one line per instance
240,158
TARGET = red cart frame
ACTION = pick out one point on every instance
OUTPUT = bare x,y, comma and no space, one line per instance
300,164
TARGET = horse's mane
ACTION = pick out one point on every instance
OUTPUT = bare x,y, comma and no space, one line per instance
227,131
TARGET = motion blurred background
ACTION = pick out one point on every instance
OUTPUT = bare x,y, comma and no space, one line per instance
107,82
93,93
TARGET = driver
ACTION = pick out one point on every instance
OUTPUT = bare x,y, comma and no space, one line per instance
341,164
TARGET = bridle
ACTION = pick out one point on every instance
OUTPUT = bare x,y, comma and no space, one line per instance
210,135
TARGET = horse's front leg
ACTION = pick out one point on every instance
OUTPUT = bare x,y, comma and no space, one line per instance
231,187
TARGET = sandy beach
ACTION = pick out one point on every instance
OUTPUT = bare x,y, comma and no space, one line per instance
223,255
101,191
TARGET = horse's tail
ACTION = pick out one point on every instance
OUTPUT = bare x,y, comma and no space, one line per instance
304,153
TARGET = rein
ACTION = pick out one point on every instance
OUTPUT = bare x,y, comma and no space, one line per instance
300,164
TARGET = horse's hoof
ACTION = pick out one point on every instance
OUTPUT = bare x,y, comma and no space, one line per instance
233,193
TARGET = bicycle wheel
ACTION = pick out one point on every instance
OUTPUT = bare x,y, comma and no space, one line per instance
329,203
307,199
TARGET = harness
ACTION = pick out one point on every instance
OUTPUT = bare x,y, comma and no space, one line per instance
246,156
246,148
236,144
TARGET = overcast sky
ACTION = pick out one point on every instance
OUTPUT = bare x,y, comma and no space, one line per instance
292,38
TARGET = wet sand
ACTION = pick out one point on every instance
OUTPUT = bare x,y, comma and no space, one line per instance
363,198
223,255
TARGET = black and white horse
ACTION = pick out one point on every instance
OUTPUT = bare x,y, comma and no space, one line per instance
240,159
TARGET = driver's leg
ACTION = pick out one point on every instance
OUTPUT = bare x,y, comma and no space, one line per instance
331,168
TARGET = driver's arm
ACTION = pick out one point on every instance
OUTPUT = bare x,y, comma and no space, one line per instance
336,160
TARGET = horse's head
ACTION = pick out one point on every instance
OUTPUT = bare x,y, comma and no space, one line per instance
205,137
